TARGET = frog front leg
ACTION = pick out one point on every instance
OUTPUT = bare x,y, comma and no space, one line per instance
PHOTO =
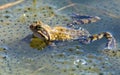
111,42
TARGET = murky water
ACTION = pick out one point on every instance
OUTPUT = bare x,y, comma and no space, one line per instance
64,58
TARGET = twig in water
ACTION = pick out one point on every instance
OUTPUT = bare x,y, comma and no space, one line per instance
10,4
39,69
65,7
62,8
74,7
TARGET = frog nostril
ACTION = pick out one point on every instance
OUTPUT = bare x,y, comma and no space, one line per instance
31,26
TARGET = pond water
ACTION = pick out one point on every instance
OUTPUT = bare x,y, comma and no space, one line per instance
17,57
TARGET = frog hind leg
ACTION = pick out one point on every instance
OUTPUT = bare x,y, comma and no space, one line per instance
111,42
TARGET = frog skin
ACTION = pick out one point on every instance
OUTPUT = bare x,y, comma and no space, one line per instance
60,33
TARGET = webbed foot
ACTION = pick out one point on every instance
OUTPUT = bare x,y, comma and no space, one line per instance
111,44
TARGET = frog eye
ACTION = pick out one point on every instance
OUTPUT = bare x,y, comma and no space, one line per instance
38,27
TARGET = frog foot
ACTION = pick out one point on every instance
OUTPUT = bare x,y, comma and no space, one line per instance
111,44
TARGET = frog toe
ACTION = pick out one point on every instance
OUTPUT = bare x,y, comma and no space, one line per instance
111,44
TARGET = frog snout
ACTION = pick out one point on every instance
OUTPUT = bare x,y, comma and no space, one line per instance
31,26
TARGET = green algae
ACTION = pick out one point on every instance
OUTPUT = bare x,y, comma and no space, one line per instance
37,43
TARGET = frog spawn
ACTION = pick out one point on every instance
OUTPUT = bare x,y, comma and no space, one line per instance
23,19
112,53
16,29
74,61
80,60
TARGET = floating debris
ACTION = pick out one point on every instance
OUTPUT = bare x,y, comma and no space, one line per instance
10,4
39,69
62,8
34,3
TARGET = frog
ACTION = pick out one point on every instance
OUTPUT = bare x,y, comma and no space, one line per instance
48,33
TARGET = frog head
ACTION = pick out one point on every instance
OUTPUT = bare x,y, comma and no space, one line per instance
40,30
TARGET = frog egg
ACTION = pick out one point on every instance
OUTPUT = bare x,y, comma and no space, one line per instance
112,53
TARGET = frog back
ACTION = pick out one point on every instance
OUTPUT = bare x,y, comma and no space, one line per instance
63,33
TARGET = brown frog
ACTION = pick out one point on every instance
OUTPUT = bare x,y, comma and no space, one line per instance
59,33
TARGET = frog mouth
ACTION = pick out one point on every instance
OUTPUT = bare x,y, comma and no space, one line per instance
44,34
